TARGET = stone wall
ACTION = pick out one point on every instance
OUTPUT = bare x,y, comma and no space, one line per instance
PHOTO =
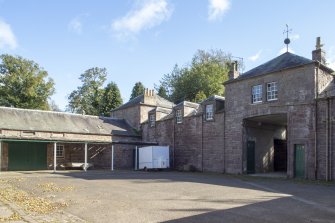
130,114
194,143
4,157
296,102
326,139
213,144
97,154
144,110
263,135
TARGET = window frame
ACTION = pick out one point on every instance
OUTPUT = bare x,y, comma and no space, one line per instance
179,116
273,93
152,120
62,151
257,94
209,115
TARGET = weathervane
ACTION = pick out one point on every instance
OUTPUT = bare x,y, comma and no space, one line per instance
287,40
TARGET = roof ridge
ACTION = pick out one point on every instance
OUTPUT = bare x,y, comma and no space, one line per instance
284,61
51,112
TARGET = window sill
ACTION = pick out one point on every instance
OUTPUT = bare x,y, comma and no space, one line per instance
257,103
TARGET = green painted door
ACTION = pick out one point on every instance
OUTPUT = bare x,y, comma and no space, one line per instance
299,161
27,156
250,157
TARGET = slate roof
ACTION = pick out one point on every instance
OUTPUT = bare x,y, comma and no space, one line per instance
214,98
284,61
48,121
159,102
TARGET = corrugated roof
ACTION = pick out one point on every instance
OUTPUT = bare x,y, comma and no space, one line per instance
47,121
159,101
284,61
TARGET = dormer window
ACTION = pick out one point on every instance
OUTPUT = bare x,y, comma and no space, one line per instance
179,117
256,94
152,120
209,112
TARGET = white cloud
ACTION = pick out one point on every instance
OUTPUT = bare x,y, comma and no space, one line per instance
145,15
256,56
217,8
294,37
7,37
76,24
284,50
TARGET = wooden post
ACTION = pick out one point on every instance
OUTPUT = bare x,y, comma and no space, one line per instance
135,158
112,158
0,155
85,164
55,157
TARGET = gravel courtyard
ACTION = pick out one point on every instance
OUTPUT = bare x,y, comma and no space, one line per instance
128,196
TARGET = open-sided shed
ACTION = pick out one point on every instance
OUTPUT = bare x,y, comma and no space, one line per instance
39,140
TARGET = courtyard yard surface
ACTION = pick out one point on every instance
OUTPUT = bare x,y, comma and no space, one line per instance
128,196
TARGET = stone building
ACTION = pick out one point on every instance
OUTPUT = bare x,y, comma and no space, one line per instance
277,117
37,140
136,110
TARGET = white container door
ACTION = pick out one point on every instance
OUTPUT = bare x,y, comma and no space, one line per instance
145,157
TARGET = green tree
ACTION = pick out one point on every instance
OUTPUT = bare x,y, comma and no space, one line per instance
202,78
24,84
91,97
138,89
162,92
86,99
111,98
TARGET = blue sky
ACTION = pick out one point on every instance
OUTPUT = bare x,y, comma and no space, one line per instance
141,40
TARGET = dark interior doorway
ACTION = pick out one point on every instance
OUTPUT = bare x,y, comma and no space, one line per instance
251,157
280,155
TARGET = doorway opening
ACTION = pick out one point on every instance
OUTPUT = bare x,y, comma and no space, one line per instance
266,145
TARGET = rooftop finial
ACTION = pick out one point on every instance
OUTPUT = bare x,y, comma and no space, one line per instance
287,40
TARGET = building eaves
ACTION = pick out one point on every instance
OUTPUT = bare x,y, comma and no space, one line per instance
188,104
139,100
280,63
62,122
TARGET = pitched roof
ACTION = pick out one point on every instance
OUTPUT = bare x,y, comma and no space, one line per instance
284,61
158,101
48,121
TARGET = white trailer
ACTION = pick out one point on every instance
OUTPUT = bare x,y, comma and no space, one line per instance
153,157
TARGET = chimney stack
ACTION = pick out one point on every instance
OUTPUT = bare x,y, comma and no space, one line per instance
233,70
318,54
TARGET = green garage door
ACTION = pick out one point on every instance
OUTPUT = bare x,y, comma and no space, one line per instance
27,156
